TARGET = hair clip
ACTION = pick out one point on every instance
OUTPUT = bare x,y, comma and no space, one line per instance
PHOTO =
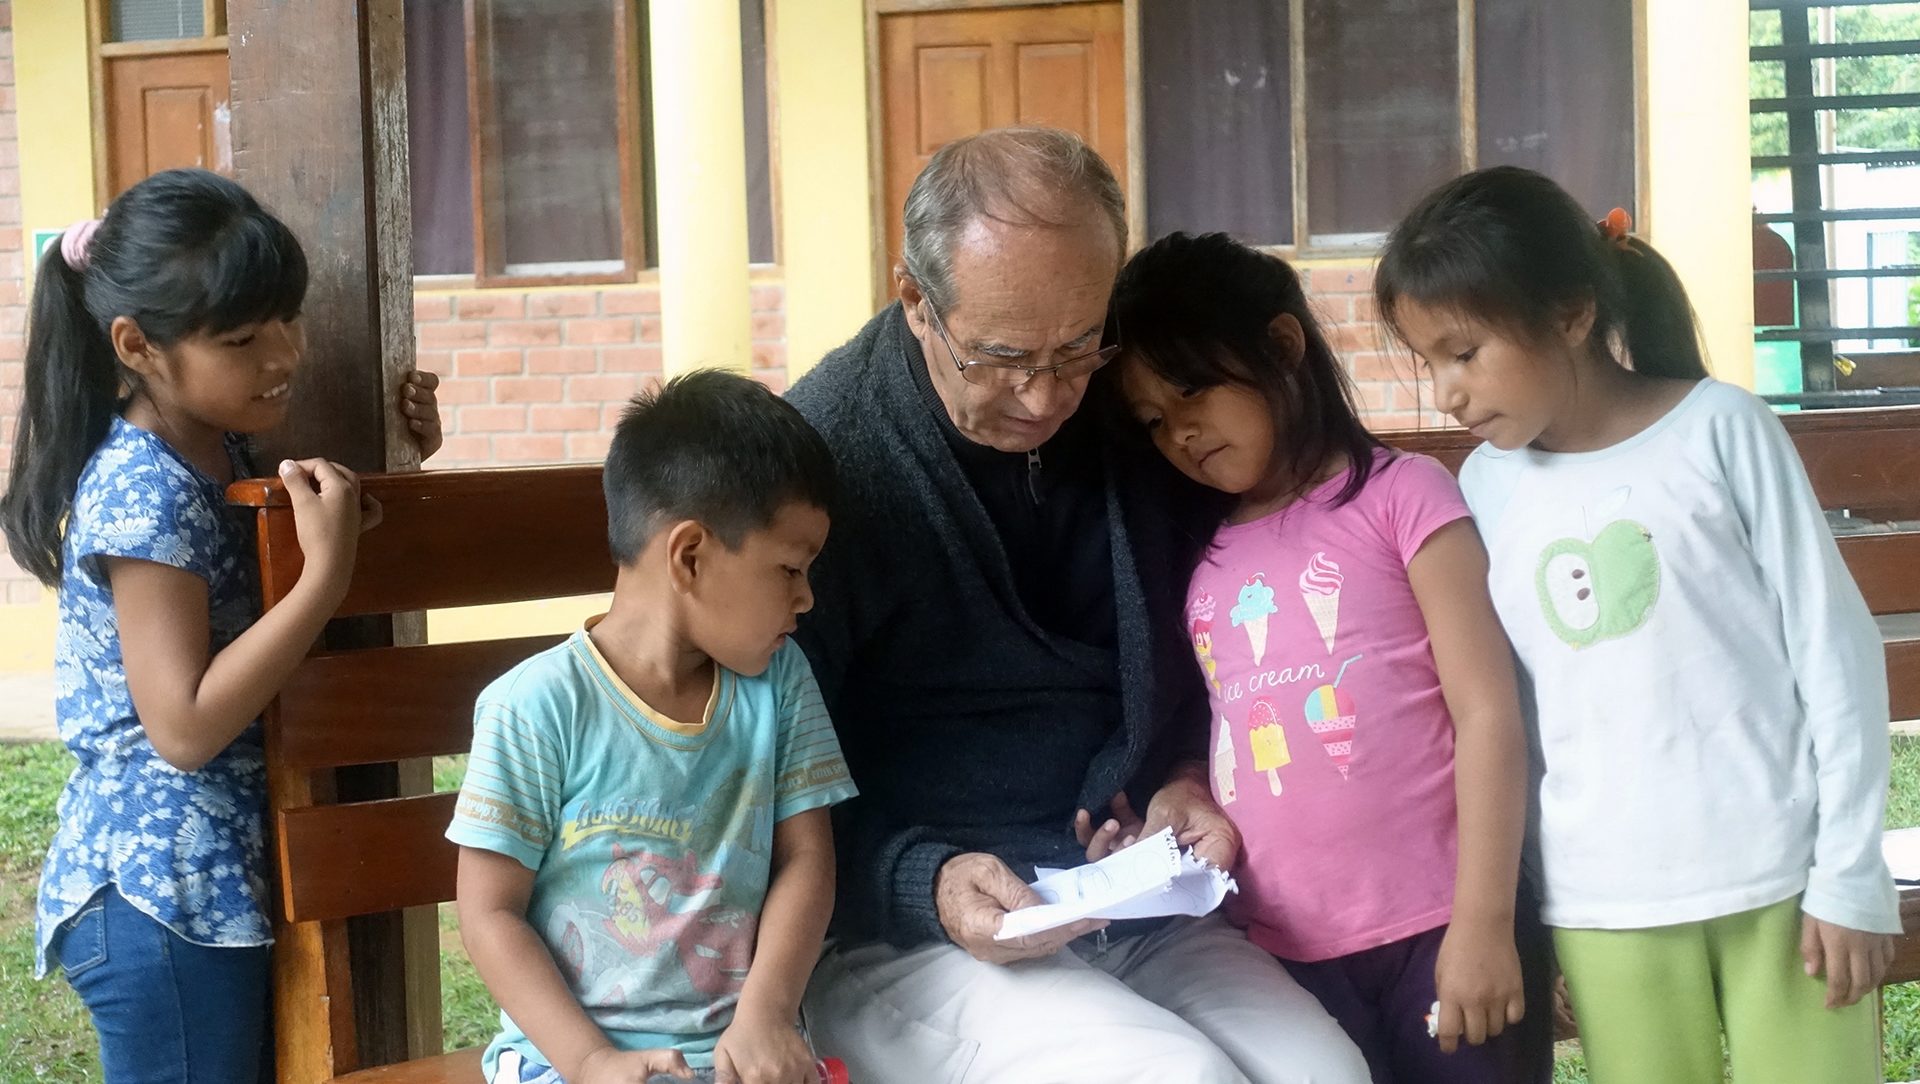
1617,227
76,243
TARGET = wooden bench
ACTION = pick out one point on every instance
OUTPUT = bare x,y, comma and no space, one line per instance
449,538
462,538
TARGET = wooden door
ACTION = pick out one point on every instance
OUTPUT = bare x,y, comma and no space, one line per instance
165,110
947,74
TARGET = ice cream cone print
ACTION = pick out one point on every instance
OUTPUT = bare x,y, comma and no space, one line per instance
1251,613
1331,716
1224,762
1320,589
1269,742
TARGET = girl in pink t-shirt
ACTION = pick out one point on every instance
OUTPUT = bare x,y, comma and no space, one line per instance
1365,737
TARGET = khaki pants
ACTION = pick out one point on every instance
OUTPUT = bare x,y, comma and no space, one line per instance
1194,1002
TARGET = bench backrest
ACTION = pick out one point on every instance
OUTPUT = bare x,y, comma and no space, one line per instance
462,538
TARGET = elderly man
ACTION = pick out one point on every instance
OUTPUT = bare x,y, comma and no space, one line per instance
996,634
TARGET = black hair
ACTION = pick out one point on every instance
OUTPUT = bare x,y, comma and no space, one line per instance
181,253
713,447
1197,311
1511,248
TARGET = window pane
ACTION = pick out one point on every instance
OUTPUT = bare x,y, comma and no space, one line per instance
439,146
1556,94
157,20
1383,111
553,136
753,94
1219,132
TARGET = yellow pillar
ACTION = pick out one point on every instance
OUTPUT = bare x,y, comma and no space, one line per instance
1699,202
826,227
700,184
53,97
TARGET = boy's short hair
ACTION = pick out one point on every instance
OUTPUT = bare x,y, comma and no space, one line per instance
713,447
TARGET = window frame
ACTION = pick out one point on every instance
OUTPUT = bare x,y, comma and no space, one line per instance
483,157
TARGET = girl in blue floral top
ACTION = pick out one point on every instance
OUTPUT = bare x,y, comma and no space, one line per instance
160,335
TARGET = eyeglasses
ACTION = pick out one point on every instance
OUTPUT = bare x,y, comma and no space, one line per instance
1001,374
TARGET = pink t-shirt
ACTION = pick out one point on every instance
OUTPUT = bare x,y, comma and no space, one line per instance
1331,747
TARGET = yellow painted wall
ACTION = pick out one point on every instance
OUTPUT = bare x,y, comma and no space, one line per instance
826,224
1699,210
52,93
54,116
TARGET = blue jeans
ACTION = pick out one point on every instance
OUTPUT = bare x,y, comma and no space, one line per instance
166,1010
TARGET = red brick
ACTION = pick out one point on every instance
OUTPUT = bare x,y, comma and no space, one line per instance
434,361
1356,338
529,389
1341,280
1388,421
649,329
610,416
1375,396
562,359
493,305
767,326
1332,310
588,446
630,359
609,330
9,207
1366,310
525,333
645,299
771,355
12,376
450,336
546,304
491,419
464,451
463,392
488,362
564,419
428,308
525,448
1376,366
601,389
772,378
769,298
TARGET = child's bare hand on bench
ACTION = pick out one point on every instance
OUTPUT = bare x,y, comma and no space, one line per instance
609,1065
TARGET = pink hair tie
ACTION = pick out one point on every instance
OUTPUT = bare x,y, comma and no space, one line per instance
76,243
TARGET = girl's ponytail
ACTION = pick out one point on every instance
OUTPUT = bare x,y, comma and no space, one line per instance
183,252
1656,322
1509,246
71,393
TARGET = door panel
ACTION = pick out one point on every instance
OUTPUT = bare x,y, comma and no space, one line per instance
163,112
948,74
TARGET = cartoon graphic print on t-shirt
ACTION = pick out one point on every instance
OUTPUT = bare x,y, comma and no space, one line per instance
1331,715
1603,588
1251,613
1320,589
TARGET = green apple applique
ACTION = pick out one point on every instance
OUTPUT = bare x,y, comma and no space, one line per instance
1603,589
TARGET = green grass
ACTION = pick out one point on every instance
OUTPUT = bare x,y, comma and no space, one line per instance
49,1041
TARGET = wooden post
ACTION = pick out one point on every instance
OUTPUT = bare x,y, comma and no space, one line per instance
320,137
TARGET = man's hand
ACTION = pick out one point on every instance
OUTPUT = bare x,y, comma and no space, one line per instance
1122,830
1186,805
1854,961
974,891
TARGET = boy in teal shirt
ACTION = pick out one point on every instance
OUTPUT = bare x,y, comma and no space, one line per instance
646,864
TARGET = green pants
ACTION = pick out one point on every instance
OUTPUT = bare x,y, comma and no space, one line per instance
1652,1005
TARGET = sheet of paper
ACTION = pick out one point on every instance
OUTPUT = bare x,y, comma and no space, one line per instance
1902,849
1150,879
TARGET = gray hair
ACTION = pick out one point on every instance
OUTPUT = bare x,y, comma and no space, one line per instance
1022,176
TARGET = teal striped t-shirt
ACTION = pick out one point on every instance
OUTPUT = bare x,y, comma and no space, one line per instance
651,840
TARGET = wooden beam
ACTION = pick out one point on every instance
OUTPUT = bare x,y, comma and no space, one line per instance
319,135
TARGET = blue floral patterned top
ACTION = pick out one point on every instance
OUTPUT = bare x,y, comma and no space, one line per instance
183,847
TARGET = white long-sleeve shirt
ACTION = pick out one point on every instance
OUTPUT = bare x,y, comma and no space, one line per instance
1707,690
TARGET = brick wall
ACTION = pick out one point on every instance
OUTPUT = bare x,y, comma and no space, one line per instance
540,376
1392,396
15,585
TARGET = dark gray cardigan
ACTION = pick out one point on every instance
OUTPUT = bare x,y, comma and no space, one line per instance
964,722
